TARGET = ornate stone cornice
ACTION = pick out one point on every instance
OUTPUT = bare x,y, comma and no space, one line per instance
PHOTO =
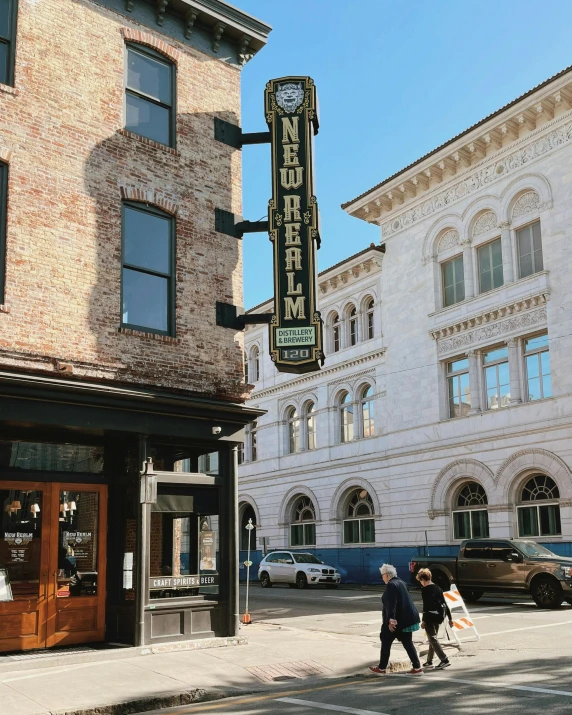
317,377
493,508
495,322
352,378
349,274
537,144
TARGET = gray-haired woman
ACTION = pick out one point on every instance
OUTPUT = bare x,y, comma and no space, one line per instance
400,621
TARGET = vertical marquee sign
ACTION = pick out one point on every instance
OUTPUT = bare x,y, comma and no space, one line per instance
296,327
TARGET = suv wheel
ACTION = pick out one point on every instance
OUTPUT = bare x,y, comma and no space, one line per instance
301,580
265,581
471,594
546,592
442,581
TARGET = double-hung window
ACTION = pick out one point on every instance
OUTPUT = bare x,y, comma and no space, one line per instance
497,379
453,281
537,357
147,287
3,218
8,15
529,249
150,95
490,266
353,318
458,387
370,315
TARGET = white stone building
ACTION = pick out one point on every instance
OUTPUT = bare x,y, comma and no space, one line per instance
446,412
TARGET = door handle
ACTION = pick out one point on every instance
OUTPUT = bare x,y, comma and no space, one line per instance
55,584
462,565
492,566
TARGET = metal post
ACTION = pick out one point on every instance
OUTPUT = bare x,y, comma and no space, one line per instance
246,617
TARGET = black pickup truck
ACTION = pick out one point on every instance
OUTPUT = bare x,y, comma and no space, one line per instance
508,566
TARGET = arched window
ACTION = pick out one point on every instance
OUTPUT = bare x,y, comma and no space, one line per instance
303,527
246,368
359,526
367,421
346,417
247,513
369,319
470,516
336,333
353,325
255,364
293,431
310,424
542,519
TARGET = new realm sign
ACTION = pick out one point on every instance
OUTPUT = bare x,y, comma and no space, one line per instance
296,327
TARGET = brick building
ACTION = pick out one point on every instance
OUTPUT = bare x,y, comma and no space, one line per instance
110,268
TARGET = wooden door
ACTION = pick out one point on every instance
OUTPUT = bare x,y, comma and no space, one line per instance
25,521
76,587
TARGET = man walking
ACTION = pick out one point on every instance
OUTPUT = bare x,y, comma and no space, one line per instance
400,621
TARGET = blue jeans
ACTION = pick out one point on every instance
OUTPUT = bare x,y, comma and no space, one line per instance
387,637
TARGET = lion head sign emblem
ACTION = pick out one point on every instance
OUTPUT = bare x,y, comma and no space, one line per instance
290,96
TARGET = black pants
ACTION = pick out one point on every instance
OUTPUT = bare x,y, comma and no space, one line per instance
387,638
434,646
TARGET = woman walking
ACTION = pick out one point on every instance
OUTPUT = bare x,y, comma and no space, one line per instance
400,621
435,609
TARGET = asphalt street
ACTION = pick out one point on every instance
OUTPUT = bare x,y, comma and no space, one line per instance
521,664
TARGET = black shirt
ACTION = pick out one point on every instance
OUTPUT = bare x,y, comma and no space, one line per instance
433,602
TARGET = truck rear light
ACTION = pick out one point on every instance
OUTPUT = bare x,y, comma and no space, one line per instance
412,565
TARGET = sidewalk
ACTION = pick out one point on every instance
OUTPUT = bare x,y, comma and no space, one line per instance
121,681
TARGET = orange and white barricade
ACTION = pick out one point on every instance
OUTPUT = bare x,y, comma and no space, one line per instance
461,622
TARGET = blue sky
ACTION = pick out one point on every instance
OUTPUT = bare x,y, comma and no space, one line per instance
394,81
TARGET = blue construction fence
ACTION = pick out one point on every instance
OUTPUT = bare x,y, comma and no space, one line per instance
361,566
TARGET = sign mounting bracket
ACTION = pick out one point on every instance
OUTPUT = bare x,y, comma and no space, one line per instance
236,226
233,136
227,316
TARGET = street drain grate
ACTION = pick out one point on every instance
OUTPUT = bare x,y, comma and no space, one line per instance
287,671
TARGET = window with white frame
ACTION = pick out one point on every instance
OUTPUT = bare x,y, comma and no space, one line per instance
254,370
537,359
246,368
359,525
458,387
346,408
539,512
453,281
303,526
310,424
489,259
370,316
336,332
293,420
529,249
470,516
367,415
353,325
497,379
252,434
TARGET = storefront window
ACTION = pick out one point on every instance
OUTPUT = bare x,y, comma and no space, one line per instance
20,546
184,542
51,457
77,545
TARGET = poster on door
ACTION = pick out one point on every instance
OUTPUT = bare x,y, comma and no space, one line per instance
207,545
5,587
18,543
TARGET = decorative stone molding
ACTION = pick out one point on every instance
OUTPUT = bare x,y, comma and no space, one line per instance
130,34
503,321
565,502
149,197
485,223
351,379
289,499
312,377
528,202
494,508
448,240
534,458
433,513
247,499
349,275
453,472
475,181
342,490
5,154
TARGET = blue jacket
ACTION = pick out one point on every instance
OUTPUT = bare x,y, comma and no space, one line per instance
396,603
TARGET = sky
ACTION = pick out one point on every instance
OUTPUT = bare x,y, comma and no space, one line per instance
394,80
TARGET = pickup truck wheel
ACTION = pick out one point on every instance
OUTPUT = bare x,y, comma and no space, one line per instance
265,581
442,581
546,592
301,580
471,594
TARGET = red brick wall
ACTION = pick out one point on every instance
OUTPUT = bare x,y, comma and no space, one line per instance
70,164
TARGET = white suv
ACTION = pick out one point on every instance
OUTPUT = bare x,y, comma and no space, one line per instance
298,570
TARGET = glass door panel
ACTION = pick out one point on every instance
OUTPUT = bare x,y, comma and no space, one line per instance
78,544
